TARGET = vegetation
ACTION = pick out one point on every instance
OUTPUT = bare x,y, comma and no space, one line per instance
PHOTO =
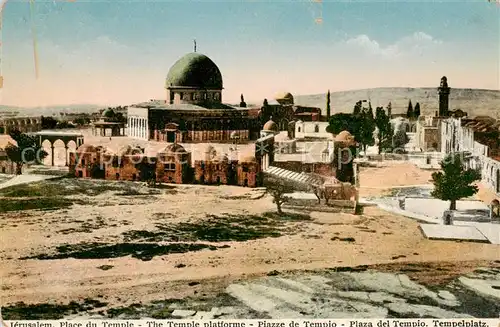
416,111
26,151
385,131
409,112
366,127
328,105
278,190
399,140
454,182
361,124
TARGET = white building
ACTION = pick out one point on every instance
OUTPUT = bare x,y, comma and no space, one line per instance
137,123
311,130
458,136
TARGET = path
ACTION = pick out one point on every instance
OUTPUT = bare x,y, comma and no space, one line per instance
23,179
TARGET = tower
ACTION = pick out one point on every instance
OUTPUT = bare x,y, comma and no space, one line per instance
444,93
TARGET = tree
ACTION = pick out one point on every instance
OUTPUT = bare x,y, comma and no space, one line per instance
26,151
328,109
385,131
48,123
409,112
454,182
357,108
342,122
416,112
243,104
364,134
277,189
400,139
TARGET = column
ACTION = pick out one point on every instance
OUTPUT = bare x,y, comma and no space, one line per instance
141,128
52,153
66,154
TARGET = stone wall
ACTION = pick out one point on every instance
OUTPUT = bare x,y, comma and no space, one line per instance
7,166
322,168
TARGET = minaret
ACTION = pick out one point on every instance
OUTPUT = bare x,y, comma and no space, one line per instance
444,93
194,45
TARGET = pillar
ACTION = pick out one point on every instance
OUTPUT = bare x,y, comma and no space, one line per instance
52,153
66,154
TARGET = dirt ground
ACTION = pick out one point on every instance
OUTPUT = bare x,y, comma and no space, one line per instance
125,243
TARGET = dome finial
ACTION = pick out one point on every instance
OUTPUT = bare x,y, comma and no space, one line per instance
194,45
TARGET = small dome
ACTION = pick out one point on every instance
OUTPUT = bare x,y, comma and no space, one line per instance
247,157
129,150
495,202
221,158
284,96
86,148
233,135
108,113
5,140
195,70
174,148
270,126
345,137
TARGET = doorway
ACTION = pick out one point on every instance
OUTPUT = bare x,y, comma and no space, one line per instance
170,136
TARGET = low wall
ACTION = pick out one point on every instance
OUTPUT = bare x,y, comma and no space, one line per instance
346,206
321,168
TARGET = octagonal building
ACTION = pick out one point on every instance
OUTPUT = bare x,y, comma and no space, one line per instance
193,110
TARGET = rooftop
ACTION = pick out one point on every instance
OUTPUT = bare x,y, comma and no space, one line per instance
48,132
187,106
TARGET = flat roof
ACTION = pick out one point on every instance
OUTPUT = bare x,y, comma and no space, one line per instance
57,133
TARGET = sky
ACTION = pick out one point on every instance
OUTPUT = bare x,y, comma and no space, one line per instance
118,52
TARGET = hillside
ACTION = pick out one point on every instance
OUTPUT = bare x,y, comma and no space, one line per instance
474,101
48,111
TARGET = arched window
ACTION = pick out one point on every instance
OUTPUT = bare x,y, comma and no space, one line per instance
298,129
316,129
216,96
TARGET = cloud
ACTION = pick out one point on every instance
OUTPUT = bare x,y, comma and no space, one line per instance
417,42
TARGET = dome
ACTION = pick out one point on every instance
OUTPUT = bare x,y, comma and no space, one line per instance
247,156
210,153
86,148
284,96
130,150
270,126
345,137
108,113
221,158
173,148
195,70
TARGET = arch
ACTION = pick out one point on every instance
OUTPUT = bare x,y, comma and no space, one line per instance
59,152
316,128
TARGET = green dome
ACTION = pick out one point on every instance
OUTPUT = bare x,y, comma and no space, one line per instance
195,70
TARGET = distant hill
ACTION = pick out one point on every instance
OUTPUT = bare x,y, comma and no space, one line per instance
475,102
49,110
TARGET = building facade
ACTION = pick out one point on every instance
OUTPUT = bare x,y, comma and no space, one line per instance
461,135
22,124
193,110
